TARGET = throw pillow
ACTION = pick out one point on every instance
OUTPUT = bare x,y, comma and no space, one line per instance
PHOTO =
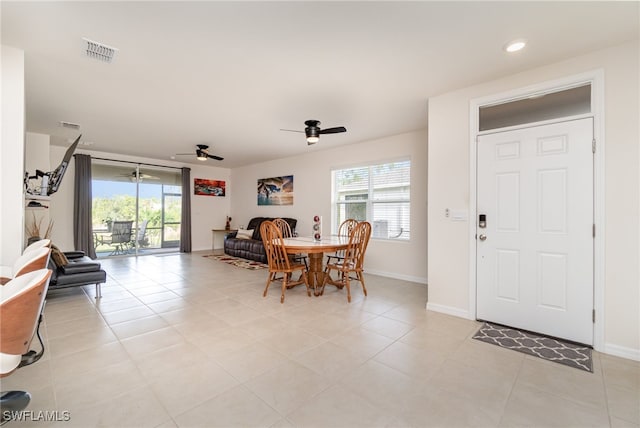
58,256
244,234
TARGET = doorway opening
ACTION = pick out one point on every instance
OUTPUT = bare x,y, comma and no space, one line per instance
584,94
136,208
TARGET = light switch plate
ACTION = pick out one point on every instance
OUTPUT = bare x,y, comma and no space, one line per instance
459,215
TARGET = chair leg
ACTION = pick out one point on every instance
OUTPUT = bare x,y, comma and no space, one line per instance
346,283
269,279
284,287
361,279
305,276
98,291
324,282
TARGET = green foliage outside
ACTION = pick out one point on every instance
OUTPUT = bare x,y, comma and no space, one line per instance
123,207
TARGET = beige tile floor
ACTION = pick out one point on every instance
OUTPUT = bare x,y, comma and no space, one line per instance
186,341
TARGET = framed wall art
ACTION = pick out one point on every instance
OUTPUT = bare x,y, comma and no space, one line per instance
275,190
205,187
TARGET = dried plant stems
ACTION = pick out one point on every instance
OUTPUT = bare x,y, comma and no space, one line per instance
34,227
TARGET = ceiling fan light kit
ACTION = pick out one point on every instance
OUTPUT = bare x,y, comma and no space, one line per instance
200,155
313,131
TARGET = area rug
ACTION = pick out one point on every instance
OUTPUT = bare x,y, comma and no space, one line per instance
547,348
236,261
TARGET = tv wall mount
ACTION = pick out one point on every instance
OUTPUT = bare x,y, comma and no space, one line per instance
47,183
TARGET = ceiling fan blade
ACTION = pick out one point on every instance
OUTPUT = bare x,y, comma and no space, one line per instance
184,154
291,130
335,130
215,157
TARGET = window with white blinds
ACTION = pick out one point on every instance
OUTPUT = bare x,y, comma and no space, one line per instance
379,194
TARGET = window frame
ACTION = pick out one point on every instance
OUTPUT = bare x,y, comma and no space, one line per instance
368,199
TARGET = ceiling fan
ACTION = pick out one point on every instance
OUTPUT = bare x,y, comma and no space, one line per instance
202,153
141,176
313,131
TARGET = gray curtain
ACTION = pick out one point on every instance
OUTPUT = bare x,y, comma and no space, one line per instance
185,221
82,224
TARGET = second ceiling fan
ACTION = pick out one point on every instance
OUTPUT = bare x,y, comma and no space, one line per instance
202,153
313,131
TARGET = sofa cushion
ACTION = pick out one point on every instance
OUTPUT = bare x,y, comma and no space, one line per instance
254,224
58,256
244,234
82,265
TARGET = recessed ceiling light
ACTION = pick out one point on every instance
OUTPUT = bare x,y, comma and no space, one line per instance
515,45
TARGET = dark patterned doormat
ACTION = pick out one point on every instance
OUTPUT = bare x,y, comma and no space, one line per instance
547,348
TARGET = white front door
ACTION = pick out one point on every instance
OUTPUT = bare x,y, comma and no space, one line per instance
535,255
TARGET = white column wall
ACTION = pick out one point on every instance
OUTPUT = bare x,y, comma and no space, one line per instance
12,155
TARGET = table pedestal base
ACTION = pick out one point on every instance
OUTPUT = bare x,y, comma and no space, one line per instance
316,273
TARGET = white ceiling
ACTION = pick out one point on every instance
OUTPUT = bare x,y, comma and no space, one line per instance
231,74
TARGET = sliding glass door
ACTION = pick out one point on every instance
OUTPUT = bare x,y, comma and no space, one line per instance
136,208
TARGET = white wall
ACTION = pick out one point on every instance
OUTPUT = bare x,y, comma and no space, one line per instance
11,155
448,250
36,157
312,195
207,212
61,204
36,153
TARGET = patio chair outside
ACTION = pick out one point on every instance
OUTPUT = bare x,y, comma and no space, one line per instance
120,237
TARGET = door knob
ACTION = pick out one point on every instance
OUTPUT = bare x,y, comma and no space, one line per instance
483,237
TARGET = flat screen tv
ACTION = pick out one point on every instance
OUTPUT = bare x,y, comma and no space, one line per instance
55,176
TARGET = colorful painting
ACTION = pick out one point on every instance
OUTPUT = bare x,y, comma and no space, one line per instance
202,186
275,190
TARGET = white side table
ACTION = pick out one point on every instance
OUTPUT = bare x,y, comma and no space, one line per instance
218,236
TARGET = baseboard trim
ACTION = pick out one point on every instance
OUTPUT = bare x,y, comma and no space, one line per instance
394,275
622,352
449,310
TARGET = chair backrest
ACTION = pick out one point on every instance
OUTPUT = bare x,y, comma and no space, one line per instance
284,226
142,230
274,247
31,260
347,226
40,243
358,241
21,301
121,231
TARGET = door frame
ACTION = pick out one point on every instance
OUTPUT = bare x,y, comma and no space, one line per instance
596,79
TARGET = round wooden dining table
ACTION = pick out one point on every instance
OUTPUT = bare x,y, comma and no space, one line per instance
315,250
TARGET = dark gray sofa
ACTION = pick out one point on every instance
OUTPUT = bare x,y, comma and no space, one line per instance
80,270
252,249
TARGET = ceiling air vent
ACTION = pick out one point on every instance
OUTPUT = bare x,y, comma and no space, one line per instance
98,50
69,125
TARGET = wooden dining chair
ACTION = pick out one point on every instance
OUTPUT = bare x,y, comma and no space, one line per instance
352,261
285,229
279,261
344,230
